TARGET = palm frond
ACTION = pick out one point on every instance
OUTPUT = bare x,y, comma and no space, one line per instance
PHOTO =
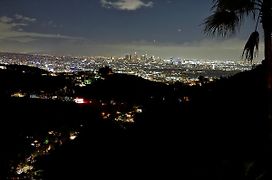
228,15
242,8
221,23
251,46
239,6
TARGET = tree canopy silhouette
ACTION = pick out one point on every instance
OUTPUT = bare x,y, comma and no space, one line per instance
227,17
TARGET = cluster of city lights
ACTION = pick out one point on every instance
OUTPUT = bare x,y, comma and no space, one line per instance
26,168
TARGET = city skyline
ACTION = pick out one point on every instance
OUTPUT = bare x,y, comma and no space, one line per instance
115,28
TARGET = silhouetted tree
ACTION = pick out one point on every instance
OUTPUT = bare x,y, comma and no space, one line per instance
227,17
203,80
105,71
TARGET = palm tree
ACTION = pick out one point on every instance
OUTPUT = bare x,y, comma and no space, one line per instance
227,17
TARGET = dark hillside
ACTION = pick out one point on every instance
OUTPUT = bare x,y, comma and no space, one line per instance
213,131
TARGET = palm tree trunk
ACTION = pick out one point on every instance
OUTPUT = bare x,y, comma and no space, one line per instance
268,57
268,69
266,21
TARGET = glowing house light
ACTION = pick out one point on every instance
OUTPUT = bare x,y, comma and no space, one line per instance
79,100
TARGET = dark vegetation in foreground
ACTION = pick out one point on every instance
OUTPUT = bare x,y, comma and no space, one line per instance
216,131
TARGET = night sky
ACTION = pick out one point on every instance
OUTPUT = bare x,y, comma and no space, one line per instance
163,28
